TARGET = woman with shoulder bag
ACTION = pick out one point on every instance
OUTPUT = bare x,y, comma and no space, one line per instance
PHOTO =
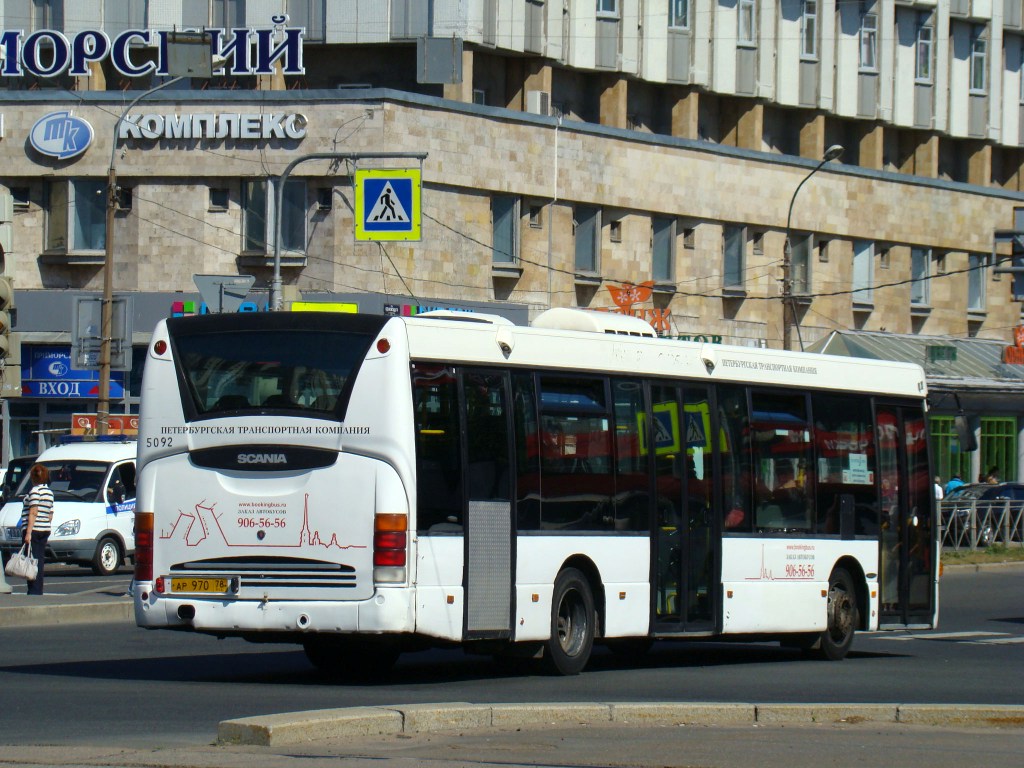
36,518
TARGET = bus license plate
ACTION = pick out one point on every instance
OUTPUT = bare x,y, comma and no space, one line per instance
215,586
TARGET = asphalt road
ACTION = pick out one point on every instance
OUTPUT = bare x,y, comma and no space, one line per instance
116,685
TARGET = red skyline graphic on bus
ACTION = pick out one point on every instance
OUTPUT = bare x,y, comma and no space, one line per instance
196,527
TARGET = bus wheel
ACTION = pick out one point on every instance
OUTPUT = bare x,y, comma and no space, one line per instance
350,660
108,557
567,651
842,616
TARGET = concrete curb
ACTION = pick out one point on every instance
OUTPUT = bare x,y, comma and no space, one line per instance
355,722
78,613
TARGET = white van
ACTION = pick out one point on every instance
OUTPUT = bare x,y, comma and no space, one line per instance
93,485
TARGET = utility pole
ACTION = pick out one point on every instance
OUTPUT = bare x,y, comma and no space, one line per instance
182,58
789,315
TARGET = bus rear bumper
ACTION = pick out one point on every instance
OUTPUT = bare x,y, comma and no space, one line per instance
386,612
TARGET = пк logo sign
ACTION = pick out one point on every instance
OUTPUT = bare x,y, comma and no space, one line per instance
61,135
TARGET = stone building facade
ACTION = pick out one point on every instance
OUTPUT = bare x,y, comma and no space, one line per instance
573,155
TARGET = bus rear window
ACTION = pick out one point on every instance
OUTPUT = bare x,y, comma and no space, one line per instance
298,371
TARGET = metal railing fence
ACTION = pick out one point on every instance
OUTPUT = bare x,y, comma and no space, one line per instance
977,524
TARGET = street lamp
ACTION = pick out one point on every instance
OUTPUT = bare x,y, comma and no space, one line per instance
788,302
183,59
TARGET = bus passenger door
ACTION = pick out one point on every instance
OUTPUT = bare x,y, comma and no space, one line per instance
488,492
684,563
907,559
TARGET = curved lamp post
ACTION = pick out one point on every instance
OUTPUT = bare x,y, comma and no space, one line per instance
788,302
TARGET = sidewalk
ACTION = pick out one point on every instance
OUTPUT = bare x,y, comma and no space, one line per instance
20,610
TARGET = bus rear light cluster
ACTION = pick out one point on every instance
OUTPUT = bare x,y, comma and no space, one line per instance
143,546
390,544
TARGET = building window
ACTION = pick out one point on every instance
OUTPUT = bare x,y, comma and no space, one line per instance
949,459
1020,72
411,19
505,229
801,248
925,44
863,272
869,42
884,258
663,249
77,216
119,16
734,256
976,273
823,251
746,19
219,198
586,227
124,198
615,231
480,96
998,445
537,216
679,14
689,237
920,274
228,14
21,198
308,14
809,31
979,59
324,198
42,14
608,8
258,219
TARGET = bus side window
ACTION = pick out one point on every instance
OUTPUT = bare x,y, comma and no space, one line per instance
438,463
845,461
734,448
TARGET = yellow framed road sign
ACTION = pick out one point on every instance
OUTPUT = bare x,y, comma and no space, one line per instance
388,204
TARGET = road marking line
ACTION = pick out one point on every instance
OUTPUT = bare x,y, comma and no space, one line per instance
948,636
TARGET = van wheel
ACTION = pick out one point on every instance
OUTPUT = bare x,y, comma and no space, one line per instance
567,651
108,557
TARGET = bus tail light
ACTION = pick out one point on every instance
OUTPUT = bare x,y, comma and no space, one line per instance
390,544
143,546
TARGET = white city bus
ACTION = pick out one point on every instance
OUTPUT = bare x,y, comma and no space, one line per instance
366,485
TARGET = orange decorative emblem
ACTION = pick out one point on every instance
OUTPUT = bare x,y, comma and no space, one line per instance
628,294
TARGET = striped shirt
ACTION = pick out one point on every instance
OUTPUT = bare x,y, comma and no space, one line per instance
40,497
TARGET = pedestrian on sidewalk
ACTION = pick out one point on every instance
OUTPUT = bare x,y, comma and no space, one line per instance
36,519
954,483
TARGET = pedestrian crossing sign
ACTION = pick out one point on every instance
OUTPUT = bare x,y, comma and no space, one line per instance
387,204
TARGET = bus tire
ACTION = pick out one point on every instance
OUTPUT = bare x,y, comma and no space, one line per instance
350,660
842,616
108,557
567,650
